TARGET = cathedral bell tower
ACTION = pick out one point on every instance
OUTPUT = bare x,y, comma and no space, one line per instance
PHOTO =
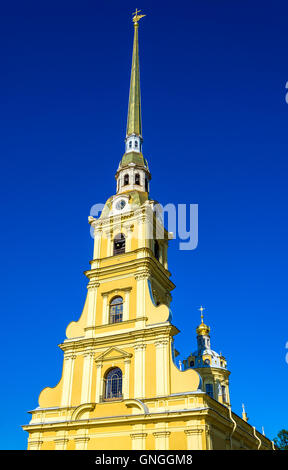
120,387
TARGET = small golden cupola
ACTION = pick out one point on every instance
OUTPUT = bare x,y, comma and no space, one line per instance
202,329
211,366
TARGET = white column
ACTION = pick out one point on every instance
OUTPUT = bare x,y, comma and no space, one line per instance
126,306
139,367
161,440
69,360
126,379
92,300
105,311
162,369
87,377
98,383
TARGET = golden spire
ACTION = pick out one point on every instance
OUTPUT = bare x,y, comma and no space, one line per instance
202,328
134,124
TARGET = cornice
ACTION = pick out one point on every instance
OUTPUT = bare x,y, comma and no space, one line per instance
146,334
155,268
117,290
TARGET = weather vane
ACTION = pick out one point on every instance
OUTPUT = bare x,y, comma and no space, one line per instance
136,16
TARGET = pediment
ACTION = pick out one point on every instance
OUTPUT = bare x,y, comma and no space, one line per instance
112,354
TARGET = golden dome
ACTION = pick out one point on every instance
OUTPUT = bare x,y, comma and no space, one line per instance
202,329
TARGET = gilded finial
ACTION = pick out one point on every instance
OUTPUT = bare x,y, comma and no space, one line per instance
202,328
201,310
244,414
136,16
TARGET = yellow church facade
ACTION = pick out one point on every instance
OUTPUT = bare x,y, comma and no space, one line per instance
121,386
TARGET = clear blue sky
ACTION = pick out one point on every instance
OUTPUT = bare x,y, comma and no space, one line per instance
213,75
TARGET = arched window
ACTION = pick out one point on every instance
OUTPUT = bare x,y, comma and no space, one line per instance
119,244
146,185
113,384
136,144
192,363
116,310
156,249
137,178
130,144
126,180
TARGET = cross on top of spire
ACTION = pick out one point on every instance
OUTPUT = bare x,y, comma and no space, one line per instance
201,310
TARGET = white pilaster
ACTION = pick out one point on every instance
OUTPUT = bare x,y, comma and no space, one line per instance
161,440
194,438
129,239
35,442
126,306
105,311
141,279
126,384
69,360
165,247
138,441
97,244
98,383
81,440
208,437
92,301
87,377
61,440
142,233
162,369
139,367
61,444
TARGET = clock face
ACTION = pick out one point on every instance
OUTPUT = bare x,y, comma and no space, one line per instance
120,204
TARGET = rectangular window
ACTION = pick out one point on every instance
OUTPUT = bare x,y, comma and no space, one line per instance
209,390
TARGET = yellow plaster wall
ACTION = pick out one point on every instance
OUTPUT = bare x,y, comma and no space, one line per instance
76,328
183,381
51,396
